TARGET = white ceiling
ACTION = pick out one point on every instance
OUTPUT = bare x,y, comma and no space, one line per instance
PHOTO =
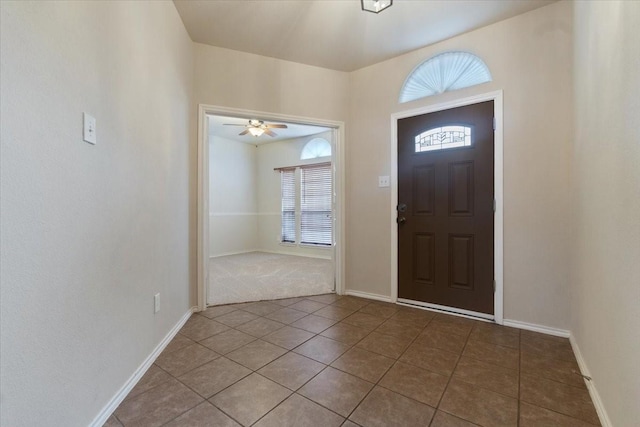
337,34
218,128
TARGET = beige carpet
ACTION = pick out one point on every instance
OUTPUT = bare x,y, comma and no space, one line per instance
257,276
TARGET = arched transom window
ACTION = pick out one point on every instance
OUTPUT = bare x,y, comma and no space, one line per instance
317,147
442,138
444,72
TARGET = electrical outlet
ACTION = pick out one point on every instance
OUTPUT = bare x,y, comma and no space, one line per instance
383,181
156,303
89,128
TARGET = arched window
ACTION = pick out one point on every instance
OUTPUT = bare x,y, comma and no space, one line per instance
317,147
444,72
444,137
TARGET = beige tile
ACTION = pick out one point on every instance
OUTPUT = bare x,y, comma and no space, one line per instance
537,335
262,308
568,400
287,301
386,345
555,369
399,328
236,318
286,315
336,390
179,362
333,312
227,341
363,364
178,342
203,415
435,338
345,333
352,303
112,421
442,419
313,323
307,306
557,348
214,376
496,334
384,408
322,349
292,370
198,328
415,316
212,312
363,320
325,299
494,354
297,411
250,398
485,375
288,337
153,377
432,359
534,416
348,423
380,309
260,327
480,406
158,405
417,383
448,326
256,354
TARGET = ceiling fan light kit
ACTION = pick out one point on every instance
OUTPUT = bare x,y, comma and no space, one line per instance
257,127
375,6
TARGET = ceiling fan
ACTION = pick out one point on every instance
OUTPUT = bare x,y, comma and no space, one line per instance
258,127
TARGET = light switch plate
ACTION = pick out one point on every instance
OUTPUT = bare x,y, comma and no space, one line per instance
89,128
383,181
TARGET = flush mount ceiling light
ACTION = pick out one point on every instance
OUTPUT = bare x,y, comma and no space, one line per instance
375,6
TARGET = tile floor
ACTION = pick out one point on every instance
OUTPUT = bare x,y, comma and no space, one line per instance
328,360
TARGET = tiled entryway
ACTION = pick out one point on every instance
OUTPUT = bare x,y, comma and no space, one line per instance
329,361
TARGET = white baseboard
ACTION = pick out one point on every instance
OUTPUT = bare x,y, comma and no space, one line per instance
537,328
106,412
234,253
593,392
294,253
368,295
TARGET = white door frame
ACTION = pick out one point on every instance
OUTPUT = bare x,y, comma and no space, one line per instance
203,188
498,219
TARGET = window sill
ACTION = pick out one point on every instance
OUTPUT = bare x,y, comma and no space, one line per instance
306,245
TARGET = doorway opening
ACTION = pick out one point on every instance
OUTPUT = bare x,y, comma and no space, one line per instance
269,206
447,247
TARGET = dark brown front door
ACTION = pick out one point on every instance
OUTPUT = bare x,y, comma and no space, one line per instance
445,208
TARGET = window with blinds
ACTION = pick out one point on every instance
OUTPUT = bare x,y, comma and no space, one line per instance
315,205
288,186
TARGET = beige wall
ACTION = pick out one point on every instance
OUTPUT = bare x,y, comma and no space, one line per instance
90,233
605,280
530,59
270,156
233,197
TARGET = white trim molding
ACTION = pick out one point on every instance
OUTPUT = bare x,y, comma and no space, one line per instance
537,328
338,162
591,386
444,309
106,412
367,295
496,97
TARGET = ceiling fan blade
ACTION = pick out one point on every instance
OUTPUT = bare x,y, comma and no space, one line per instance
232,124
244,132
270,133
277,126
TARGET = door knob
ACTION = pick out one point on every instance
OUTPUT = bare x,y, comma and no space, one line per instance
401,220
401,207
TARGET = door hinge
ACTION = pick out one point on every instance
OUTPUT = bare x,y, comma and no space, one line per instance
494,123
494,286
494,205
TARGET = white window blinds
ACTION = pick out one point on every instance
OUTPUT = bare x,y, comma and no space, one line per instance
288,186
315,205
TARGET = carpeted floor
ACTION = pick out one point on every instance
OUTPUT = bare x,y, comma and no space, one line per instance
257,276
